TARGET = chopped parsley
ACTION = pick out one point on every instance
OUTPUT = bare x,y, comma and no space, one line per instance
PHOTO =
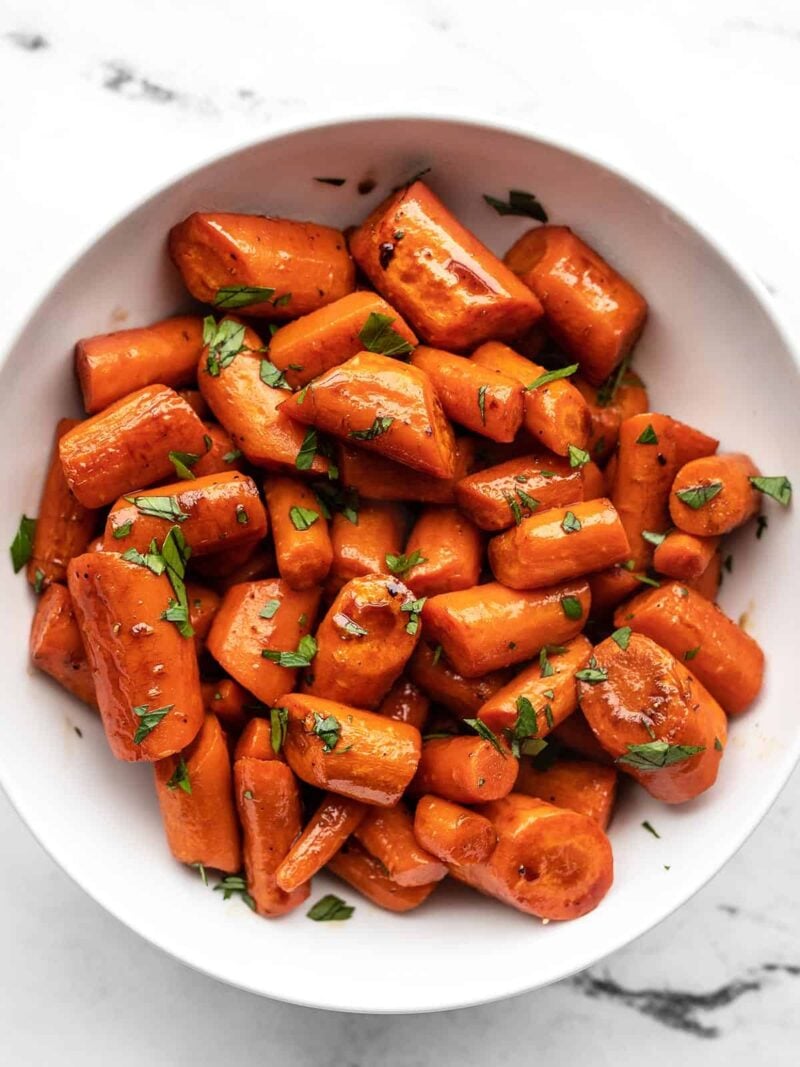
519,203
303,518
482,730
400,565
482,402
159,507
647,436
149,720
377,335
301,657
330,908
697,496
225,340
242,296
278,725
571,523
578,457
379,427
571,607
779,488
622,637
592,674
183,463
328,729
413,607
22,545
179,778
553,376
657,754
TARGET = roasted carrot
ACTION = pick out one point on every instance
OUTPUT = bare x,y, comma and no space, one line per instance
609,406
127,446
591,311
361,547
406,702
453,833
430,669
256,741
374,477
576,734
195,794
329,827
112,365
448,551
490,626
594,481
268,803
612,586
549,862
271,268
382,405
64,527
707,584
144,670
303,548
388,835
454,292
228,701
368,876
685,556
589,788
467,770
354,753
221,454
203,606
658,722
258,565
559,544
195,399
728,661
496,497
56,644
713,495
313,344
263,617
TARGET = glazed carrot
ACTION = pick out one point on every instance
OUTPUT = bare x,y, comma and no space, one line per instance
490,626
682,555
112,365
610,587
728,662
354,753
609,406
364,641
494,498
127,446
368,876
221,455
255,741
56,645
216,513
222,256
591,311
658,722
313,344
449,549
575,733
548,686
453,833
430,670
450,287
144,670
594,481
327,830
713,495
95,545
467,770
64,527
303,548
707,584
194,398
487,403
549,862
361,548
559,544
247,407
377,478
382,405
407,703
388,835
269,807
556,415
228,701
203,606
195,794
589,788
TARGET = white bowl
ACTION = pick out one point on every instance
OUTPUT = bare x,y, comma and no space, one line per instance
712,354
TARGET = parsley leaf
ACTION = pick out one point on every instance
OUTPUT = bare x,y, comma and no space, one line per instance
180,778
592,674
270,375
552,376
241,515
437,655
377,335
651,829
308,450
175,553
525,724
242,296
653,538
38,580
22,545
303,518
647,436
330,908
413,607
696,496
571,607
225,340
779,488
622,637
231,457
152,559
379,426
482,730
608,390
482,402
516,510
269,609
519,203
328,729
657,754
159,507
124,528
301,657
528,501
344,622
691,653
399,565
571,523
183,462
278,725
578,457
150,719
235,883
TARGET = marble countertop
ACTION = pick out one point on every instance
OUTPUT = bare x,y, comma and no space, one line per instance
102,103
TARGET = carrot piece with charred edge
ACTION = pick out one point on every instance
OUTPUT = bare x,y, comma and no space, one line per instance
363,643
490,626
203,606
406,702
112,365
329,827
367,876
303,548
56,644
376,478
270,813
388,835
495,496
454,292
127,446
430,669
255,742
250,410
450,550
64,527
453,833
221,511
467,770
248,623
221,455
385,406
361,548
591,311
229,701
726,660
555,414
713,495
645,696
629,398
311,345
549,686
345,750
145,673
559,544
305,264
195,794
684,556
589,788
487,403
549,862
575,733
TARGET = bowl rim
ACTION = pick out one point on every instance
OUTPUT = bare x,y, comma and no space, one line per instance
478,122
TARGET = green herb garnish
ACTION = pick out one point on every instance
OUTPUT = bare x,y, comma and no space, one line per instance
377,335
592,674
330,908
242,296
552,376
578,457
379,426
571,607
657,754
779,488
180,777
413,607
622,637
278,725
571,523
149,720
647,436
303,518
482,730
697,496
159,507
269,609
301,657
328,729
22,545
399,565
519,203
225,340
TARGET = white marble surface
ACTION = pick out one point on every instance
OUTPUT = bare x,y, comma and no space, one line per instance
101,103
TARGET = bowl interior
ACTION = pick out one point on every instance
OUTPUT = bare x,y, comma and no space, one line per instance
711,355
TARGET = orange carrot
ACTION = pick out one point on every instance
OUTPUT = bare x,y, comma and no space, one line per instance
377,478
453,833
611,586
329,827
448,550
406,703
589,788
594,481
300,531
467,770
56,645
713,495
388,835
203,606
494,498
609,406
194,398
430,669
708,582
684,556
221,454
228,701
575,733
361,548
368,876
256,741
